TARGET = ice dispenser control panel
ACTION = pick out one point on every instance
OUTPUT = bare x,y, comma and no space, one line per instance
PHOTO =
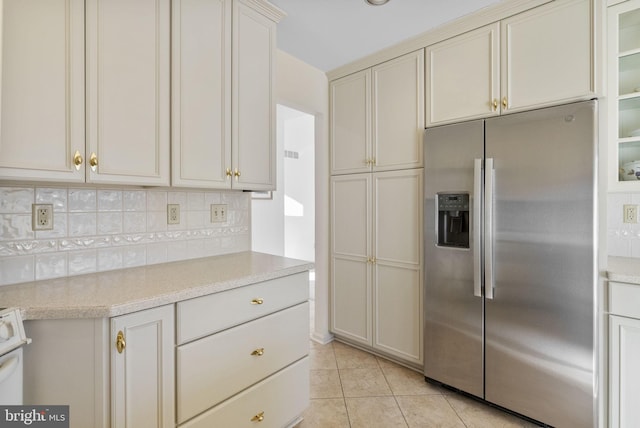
453,220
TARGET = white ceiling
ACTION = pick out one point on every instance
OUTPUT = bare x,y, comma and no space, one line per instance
330,33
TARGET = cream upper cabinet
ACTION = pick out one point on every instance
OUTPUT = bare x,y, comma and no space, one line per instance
253,143
463,76
623,62
201,93
377,117
142,369
540,57
128,50
376,261
42,90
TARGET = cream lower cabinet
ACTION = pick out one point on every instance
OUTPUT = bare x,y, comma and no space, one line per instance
377,117
540,57
229,359
376,261
142,369
624,354
266,330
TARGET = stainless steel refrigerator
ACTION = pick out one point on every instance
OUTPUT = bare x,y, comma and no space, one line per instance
510,261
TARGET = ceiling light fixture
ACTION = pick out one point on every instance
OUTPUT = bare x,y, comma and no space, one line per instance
376,2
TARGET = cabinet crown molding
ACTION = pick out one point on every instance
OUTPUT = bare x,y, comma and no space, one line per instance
480,18
266,8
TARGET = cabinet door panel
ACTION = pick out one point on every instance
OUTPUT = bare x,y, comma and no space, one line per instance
351,299
548,55
201,93
398,112
142,376
397,216
42,96
624,337
128,90
351,215
398,311
350,123
464,76
253,132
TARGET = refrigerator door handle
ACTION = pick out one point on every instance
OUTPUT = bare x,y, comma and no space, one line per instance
488,228
477,227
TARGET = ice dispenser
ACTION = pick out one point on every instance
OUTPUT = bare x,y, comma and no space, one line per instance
453,220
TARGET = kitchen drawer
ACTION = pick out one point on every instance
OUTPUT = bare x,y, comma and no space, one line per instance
280,398
216,367
208,314
624,299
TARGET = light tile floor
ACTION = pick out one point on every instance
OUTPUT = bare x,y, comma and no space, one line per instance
352,388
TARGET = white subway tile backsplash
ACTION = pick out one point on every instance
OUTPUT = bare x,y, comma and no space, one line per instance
134,256
156,221
178,198
110,259
109,200
82,200
109,223
134,200
15,227
82,224
56,197
104,229
156,253
17,269
623,238
16,200
51,265
195,201
134,222
59,227
82,262
157,201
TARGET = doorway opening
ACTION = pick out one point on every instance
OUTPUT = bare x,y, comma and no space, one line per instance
283,221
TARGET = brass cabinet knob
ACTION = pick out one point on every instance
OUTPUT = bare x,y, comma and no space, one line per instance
236,173
93,161
259,417
229,173
120,342
77,160
258,352
495,104
504,102
257,301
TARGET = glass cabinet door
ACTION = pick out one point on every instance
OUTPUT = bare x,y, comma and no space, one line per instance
624,93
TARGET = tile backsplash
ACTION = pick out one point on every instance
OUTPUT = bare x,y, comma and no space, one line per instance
98,229
623,238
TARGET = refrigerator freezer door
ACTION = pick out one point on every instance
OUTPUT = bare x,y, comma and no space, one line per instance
539,350
453,315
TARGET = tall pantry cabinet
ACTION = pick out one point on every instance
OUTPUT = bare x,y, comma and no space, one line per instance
377,121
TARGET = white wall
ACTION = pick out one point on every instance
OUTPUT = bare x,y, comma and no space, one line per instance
305,88
623,238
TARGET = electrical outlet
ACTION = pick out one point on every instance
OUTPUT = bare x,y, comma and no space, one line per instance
41,216
218,213
630,214
173,213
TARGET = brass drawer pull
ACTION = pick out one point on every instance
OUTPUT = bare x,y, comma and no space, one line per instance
120,342
77,160
257,301
259,417
259,352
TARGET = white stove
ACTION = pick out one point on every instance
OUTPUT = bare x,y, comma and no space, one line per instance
12,338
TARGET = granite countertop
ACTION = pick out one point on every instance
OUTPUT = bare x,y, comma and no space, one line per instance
624,269
118,292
